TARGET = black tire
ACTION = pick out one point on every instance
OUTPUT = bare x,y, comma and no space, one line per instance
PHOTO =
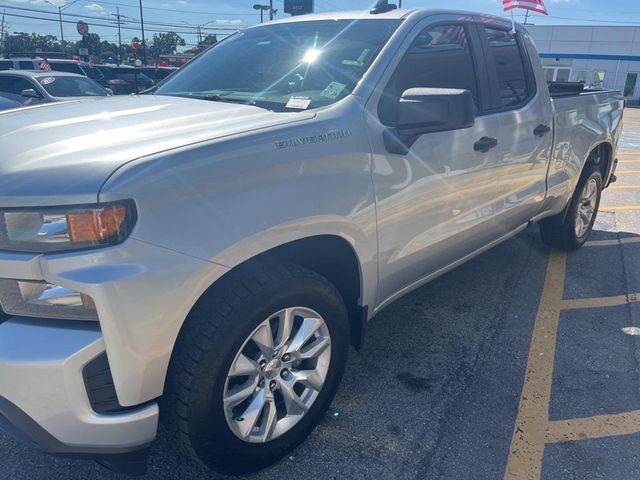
560,231
212,335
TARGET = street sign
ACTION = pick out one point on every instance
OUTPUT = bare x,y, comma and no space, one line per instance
135,44
82,28
83,51
298,7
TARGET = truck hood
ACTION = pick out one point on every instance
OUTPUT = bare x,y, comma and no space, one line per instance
59,154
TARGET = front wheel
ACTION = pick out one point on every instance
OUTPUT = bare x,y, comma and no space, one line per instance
572,231
257,364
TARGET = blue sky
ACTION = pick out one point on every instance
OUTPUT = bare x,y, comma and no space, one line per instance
225,16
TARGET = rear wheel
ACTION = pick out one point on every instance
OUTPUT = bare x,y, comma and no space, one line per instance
572,231
257,364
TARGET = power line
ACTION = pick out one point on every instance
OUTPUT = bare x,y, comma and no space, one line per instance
95,24
107,19
121,4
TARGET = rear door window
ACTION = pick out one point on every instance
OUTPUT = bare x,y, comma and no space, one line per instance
6,65
25,65
66,67
506,57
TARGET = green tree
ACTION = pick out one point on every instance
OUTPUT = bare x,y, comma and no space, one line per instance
91,42
207,41
210,39
31,43
166,43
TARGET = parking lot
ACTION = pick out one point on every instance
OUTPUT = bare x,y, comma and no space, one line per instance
521,364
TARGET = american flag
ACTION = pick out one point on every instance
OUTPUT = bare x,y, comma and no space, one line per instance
533,5
44,65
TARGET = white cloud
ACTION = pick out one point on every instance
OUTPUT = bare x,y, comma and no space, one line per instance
229,21
182,2
94,7
57,3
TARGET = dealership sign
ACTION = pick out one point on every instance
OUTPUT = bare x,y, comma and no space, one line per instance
82,27
298,7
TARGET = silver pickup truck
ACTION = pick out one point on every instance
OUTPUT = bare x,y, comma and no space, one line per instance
207,253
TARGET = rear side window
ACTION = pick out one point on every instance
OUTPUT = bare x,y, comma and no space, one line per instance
67,67
510,67
440,57
6,65
26,65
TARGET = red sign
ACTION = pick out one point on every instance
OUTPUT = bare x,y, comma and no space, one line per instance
135,45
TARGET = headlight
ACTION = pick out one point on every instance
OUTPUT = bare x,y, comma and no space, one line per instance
41,299
60,229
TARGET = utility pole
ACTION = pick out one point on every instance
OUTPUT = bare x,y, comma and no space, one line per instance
144,47
2,34
118,16
64,47
270,9
399,3
526,16
60,9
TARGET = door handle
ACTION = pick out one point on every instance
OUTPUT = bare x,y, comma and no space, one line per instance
541,130
485,144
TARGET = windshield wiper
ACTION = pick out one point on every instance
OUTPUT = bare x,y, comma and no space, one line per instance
225,99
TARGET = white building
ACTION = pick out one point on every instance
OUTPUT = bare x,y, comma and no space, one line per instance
601,56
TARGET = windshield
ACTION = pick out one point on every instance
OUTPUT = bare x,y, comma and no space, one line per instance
285,67
71,87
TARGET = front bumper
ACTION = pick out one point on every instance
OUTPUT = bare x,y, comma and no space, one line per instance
43,399
142,295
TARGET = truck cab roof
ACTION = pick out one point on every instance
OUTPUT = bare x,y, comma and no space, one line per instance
399,13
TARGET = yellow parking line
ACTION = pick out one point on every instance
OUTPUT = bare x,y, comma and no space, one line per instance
609,208
593,427
630,186
619,172
533,429
576,303
529,433
609,243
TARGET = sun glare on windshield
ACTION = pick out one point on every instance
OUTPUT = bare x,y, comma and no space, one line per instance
311,55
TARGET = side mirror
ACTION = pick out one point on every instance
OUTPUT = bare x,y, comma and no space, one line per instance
109,91
428,110
30,93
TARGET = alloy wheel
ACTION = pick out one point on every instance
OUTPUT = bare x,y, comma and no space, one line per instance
277,374
586,207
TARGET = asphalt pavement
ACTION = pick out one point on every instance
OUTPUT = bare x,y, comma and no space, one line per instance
522,363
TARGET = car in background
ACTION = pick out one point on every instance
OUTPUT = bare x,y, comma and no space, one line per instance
29,87
7,104
19,64
121,79
63,65
157,74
